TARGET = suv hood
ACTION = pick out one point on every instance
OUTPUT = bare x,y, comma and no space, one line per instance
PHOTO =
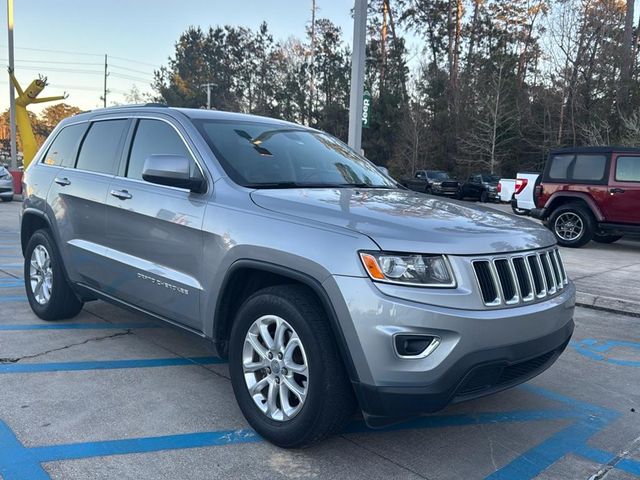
405,221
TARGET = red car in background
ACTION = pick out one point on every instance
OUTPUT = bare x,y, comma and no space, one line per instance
590,193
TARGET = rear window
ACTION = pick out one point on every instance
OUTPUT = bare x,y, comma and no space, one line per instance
99,151
62,151
587,168
628,169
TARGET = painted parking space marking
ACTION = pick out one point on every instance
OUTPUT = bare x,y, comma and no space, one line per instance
18,462
106,364
600,350
13,298
78,326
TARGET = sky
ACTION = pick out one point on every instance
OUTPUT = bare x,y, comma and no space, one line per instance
66,40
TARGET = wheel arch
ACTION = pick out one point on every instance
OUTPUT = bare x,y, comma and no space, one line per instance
245,277
32,220
563,198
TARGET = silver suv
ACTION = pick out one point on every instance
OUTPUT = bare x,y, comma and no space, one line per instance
325,284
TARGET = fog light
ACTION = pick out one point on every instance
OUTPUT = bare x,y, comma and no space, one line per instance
415,345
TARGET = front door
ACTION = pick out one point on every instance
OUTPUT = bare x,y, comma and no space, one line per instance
154,231
622,204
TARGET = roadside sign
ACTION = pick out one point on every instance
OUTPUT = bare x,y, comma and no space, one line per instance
366,109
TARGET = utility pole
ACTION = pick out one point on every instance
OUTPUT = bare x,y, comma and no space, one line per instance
106,74
208,86
12,95
311,59
357,74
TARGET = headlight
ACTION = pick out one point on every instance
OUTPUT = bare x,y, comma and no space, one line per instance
409,269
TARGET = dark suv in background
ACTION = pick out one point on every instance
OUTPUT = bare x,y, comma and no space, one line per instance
481,186
590,193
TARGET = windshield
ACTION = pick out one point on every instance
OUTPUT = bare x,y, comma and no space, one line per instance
261,155
439,175
490,178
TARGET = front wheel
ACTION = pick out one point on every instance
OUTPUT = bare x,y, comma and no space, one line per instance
286,372
6,199
48,292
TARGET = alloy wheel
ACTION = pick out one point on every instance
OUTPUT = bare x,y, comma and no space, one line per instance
275,368
569,226
41,274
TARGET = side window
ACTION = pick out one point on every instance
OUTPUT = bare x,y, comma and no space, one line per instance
99,150
64,147
154,137
559,168
589,168
628,169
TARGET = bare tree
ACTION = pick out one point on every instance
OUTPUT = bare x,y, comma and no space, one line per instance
484,145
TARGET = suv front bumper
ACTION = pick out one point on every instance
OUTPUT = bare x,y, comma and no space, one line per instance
481,351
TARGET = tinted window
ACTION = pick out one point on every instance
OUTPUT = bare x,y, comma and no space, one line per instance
153,137
589,168
628,169
281,156
65,146
101,145
559,169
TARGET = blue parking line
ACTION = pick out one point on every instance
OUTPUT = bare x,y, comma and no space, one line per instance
77,326
599,350
11,285
14,298
628,465
20,463
106,364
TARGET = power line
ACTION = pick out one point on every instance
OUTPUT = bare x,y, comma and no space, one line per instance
66,52
135,61
52,62
130,69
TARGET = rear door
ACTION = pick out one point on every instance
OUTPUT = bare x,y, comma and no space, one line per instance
154,231
622,204
79,190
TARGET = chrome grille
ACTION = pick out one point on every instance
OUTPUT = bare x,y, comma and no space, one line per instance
520,278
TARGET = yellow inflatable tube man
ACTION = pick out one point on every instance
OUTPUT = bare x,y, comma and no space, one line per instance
25,98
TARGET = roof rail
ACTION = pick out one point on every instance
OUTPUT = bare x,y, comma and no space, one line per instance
134,105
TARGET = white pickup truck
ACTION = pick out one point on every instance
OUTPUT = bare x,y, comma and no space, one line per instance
524,193
506,189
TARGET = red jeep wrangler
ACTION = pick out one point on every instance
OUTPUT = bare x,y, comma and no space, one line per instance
590,193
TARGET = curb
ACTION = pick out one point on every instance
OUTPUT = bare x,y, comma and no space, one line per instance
608,304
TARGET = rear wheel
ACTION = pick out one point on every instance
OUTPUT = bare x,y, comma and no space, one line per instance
484,196
603,238
285,369
48,292
6,199
572,224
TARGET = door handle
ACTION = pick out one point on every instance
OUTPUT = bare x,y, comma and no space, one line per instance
121,194
616,190
63,181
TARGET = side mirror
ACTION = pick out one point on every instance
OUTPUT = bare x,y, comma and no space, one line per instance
173,171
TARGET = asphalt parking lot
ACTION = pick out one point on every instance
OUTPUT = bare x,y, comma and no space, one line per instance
113,394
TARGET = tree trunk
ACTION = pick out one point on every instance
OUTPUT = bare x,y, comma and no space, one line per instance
626,60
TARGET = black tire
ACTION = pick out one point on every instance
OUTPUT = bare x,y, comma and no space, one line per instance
604,238
458,195
484,196
330,402
63,302
428,190
7,199
586,218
